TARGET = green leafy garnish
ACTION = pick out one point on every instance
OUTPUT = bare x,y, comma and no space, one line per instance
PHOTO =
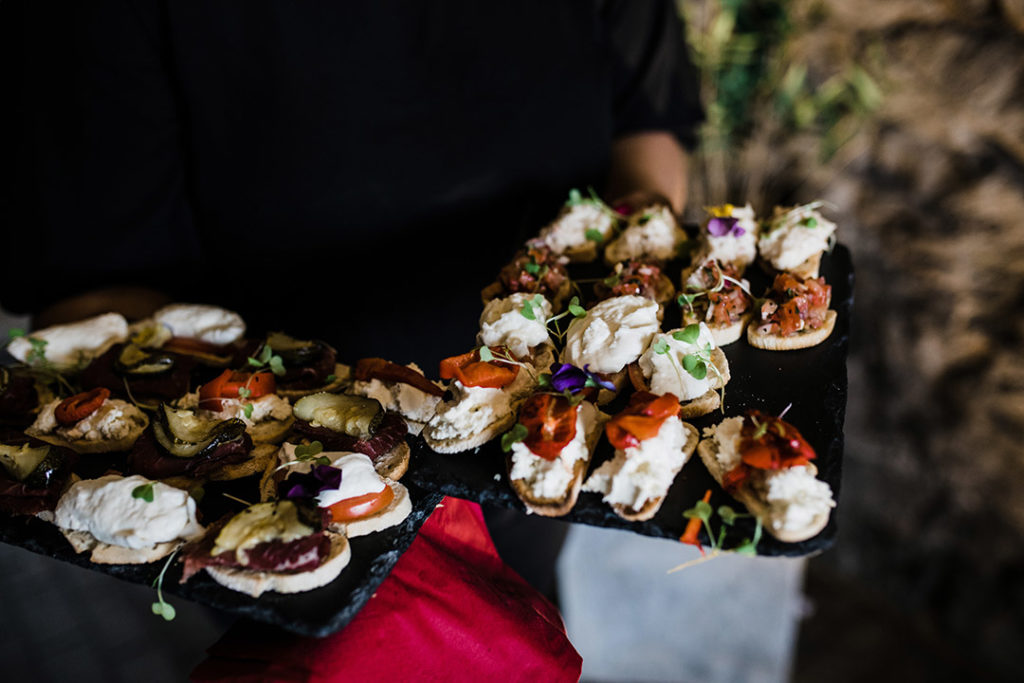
145,492
574,197
688,334
528,307
611,280
485,354
247,411
544,379
514,435
575,308
37,354
267,358
809,222
330,378
762,428
532,268
160,607
695,366
704,512
594,235
244,392
305,452
15,332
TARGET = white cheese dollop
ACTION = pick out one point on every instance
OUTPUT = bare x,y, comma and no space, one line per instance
551,478
106,509
665,370
797,497
612,334
569,230
503,322
637,475
727,433
411,403
210,324
788,242
114,419
76,343
473,409
357,478
738,250
266,407
657,237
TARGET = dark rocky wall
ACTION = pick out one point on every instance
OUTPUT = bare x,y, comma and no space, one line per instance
930,197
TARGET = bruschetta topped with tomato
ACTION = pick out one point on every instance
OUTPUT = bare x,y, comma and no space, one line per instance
714,293
794,314
535,269
651,446
549,448
487,386
765,463
637,278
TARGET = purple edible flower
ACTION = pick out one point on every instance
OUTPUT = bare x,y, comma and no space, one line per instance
567,377
725,225
308,485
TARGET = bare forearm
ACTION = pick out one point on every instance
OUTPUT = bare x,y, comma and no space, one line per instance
651,164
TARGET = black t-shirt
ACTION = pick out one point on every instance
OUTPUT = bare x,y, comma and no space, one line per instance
353,170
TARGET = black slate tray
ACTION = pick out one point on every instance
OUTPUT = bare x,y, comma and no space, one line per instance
317,613
813,380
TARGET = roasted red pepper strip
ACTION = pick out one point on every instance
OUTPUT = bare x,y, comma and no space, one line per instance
692,531
769,443
473,372
386,371
641,419
71,410
227,384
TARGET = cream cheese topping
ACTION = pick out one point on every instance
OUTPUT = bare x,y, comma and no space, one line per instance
551,478
74,344
473,409
414,405
665,370
210,324
105,508
612,334
569,230
640,474
114,419
267,407
727,434
739,251
788,241
657,237
797,497
503,322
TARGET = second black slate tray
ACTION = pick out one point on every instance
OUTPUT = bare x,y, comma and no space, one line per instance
813,380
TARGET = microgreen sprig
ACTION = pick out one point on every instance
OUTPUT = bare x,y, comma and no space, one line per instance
574,309
40,365
686,299
307,453
537,302
703,512
576,198
266,358
514,435
695,363
144,491
161,607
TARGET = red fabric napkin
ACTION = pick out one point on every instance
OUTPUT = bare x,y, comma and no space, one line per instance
450,610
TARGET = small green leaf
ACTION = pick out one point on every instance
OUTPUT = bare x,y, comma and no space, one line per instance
762,429
544,379
244,392
703,510
253,362
485,354
688,334
247,411
686,299
305,452
145,492
574,197
661,346
165,610
594,235
265,353
698,369
330,378
810,222
746,548
514,435
277,365
15,332
611,280
322,460
527,311
727,514
532,268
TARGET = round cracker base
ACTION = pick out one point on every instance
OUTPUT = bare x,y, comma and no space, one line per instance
799,340
395,463
257,583
93,447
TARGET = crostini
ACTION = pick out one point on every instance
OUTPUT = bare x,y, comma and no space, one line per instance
794,240
400,388
581,227
652,233
687,364
765,463
729,235
90,422
793,315
713,293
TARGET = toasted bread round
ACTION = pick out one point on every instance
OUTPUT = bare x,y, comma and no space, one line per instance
460,444
342,378
91,446
707,402
748,494
723,334
270,431
104,553
256,583
799,340
395,463
557,507
395,513
652,505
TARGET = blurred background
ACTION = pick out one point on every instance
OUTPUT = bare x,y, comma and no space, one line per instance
908,117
